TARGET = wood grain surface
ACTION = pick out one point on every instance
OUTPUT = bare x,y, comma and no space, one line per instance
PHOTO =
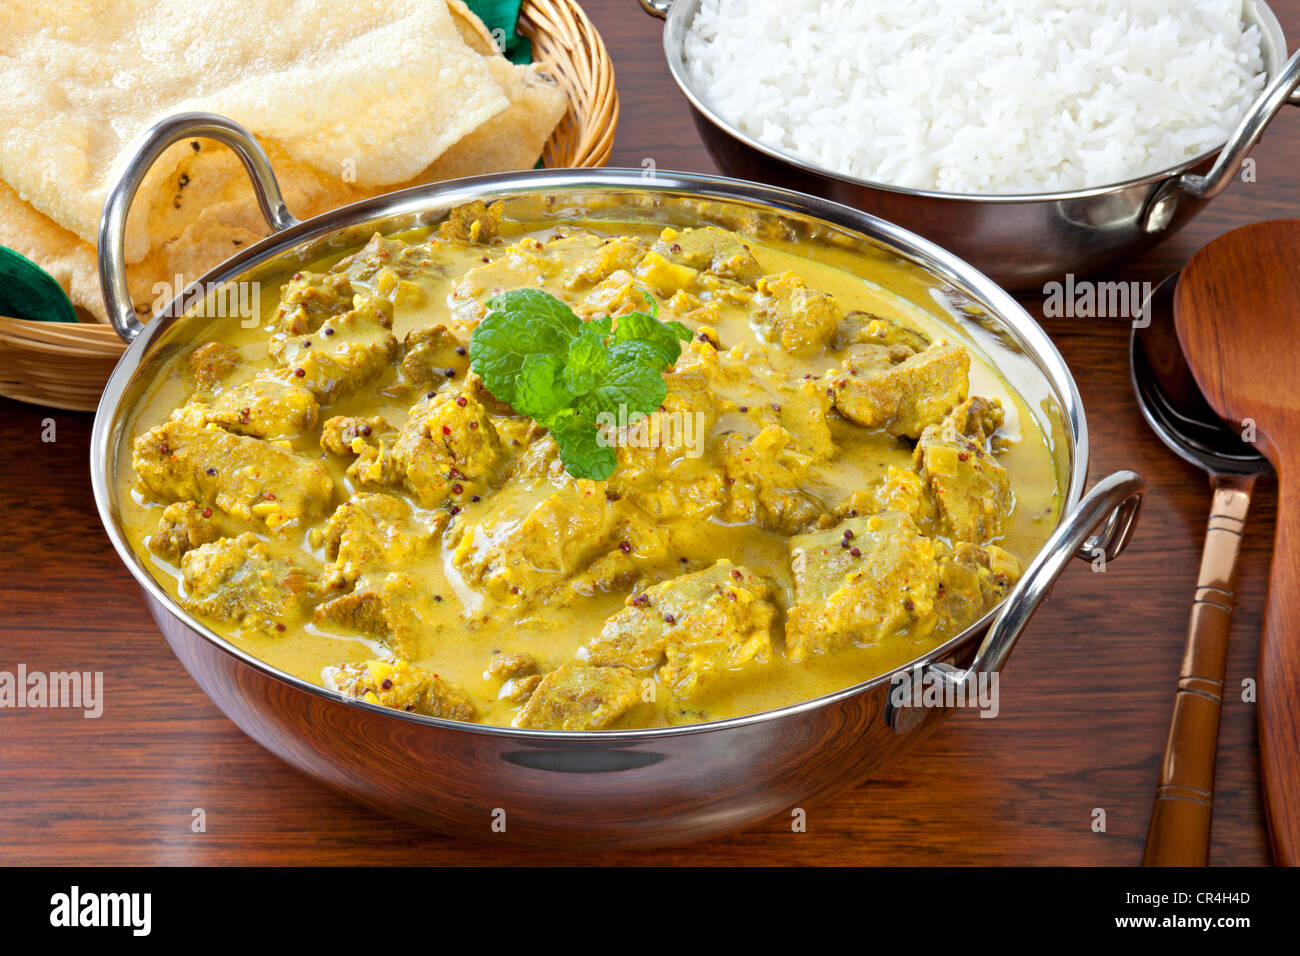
1085,702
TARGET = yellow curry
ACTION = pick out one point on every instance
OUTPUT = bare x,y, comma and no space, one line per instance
831,487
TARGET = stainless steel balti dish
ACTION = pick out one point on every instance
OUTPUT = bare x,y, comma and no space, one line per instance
1020,241
596,788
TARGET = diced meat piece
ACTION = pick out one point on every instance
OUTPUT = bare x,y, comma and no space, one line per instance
371,532
402,259
211,363
448,450
967,483
765,479
904,490
341,433
505,666
575,697
608,255
861,582
434,356
265,408
519,675
804,414
977,418
792,316
308,299
710,249
238,579
662,462
247,478
900,490
398,684
519,689
973,579
692,628
370,441
395,608
864,328
183,527
472,222
617,294
345,352
517,557
875,391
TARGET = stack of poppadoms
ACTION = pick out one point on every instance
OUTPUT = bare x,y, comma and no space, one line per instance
349,100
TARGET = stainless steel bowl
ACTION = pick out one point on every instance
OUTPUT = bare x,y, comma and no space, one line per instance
1020,241
613,788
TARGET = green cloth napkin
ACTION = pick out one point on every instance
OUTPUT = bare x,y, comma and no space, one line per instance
501,17
29,292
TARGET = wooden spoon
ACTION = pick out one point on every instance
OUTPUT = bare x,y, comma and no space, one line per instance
1237,310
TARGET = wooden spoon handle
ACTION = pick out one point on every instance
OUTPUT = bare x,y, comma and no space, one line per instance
1279,673
1179,834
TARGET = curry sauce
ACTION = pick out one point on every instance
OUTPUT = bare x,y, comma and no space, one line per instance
834,485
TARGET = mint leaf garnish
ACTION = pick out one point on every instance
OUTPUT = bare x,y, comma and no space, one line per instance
534,353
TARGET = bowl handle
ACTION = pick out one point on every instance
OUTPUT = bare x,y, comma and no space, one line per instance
142,154
657,8
1113,506
1280,92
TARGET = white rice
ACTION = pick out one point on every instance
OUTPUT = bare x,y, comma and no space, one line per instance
979,96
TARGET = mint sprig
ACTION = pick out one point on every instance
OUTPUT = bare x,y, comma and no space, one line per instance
534,353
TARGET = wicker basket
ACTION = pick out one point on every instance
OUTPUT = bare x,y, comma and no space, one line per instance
66,365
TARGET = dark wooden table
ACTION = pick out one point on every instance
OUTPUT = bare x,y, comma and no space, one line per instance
1085,702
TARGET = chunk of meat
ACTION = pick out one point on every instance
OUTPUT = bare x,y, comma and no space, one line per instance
308,299
710,249
183,527
473,222
691,629
264,408
344,352
978,419
250,479
402,259
866,328
434,356
765,478
973,579
663,464
524,552
860,582
505,666
238,579
399,684
903,490
448,450
211,363
789,314
519,675
605,257
395,608
969,486
341,433
875,390
577,697
617,294
369,441
371,532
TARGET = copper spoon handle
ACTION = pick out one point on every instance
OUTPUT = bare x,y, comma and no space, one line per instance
1179,834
